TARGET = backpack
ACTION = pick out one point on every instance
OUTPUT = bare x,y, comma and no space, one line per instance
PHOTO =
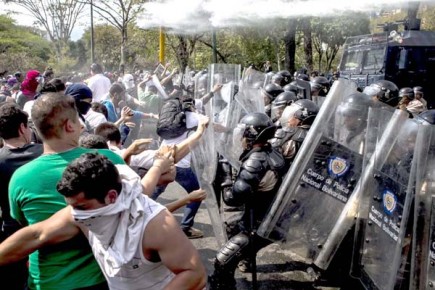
172,120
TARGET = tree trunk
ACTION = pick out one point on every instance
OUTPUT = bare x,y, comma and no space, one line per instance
124,42
290,46
413,23
182,53
308,45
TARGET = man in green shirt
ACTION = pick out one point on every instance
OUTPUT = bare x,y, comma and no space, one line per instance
33,198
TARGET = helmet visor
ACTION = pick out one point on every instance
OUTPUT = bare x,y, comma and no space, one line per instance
288,113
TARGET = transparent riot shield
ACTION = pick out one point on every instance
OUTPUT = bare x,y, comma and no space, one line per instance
251,77
314,207
387,187
423,243
228,75
204,160
227,143
159,87
304,90
249,92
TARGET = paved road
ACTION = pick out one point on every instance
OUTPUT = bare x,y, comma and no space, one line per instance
277,268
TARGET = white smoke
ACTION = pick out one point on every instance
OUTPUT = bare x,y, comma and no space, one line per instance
195,16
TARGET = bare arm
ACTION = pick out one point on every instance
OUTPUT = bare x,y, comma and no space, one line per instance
138,146
162,164
183,148
58,228
164,235
206,98
197,195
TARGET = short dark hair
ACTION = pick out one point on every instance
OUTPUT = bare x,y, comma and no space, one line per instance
93,141
109,131
116,88
11,118
100,108
51,111
93,174
96,68
53,86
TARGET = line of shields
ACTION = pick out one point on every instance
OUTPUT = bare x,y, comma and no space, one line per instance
364,176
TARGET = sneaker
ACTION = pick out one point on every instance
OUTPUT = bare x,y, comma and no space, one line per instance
193,233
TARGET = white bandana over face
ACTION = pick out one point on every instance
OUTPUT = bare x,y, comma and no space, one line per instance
117,227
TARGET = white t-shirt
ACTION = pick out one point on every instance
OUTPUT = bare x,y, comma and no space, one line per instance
28,108
94,119
144,159
99,85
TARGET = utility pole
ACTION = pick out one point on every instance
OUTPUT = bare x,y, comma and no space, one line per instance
92,33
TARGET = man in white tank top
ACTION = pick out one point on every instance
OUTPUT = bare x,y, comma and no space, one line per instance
136,241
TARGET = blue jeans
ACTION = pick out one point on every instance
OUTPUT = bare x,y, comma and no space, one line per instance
188,180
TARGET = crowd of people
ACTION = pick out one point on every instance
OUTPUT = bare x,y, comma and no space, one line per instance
83,162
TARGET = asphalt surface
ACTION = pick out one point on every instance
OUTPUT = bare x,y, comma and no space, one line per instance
276,267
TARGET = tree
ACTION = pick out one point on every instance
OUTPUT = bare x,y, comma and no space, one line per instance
120,14
57,17
21,48
305,24
290,45
329,34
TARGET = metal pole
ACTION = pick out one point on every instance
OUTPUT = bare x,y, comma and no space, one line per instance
214,45
92,34
162,46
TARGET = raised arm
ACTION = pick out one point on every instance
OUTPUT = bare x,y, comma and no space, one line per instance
58,228
164,235
162,165
183,148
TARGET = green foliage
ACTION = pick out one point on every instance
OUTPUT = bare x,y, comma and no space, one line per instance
330,33
427,16
21,48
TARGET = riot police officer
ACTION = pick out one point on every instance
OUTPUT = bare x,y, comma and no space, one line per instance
279,104
270,92
384,91
296,120
353,113
319,89
255,187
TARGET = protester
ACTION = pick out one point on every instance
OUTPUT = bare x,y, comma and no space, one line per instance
71,264
16,152
98,83
137,243
28,87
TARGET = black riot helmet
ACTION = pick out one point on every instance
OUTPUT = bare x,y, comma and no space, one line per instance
257,128
320,84
354,109
277,79
284,99
304,110
385,91
303,77
286,77
258,85
291,87
280,103
426,118
418,90
406,93
272,91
